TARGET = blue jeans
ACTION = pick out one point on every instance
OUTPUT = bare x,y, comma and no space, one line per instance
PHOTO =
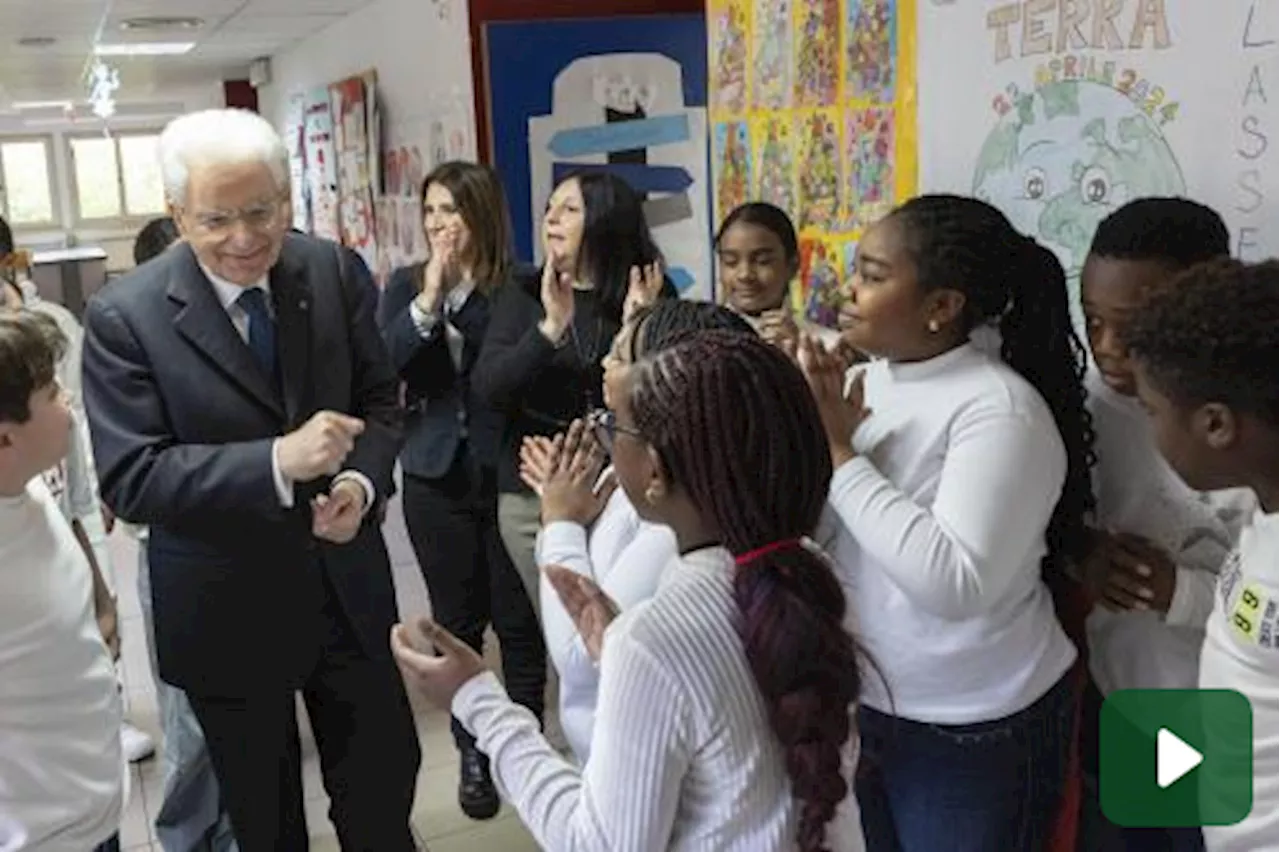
191,817
965,788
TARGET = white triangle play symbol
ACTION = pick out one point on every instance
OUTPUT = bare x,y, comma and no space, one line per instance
1174,758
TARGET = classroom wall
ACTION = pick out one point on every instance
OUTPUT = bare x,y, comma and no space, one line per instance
420,49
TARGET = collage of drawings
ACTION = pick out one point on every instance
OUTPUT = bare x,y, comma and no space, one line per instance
803,99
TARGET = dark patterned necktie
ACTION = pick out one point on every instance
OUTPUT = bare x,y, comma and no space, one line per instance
262,330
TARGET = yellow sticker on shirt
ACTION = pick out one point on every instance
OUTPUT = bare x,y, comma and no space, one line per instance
1253,611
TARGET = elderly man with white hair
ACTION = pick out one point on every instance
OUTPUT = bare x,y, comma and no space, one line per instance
243,407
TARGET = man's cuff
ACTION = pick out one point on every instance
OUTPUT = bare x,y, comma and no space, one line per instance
370,493
284,488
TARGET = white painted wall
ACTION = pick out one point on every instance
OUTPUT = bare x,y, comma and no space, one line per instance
421,51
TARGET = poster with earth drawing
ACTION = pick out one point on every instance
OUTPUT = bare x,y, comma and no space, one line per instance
1060,111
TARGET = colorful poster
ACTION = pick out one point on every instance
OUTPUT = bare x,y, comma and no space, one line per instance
824,127
771,55
868,166
728,37
820,291
731,166
1059,116
773,140
869,50
817,53
320,153
819,181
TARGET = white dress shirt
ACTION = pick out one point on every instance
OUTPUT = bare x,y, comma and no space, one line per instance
682,755
626,557
228,295
426,323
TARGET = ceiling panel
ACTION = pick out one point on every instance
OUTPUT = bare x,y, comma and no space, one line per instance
234,33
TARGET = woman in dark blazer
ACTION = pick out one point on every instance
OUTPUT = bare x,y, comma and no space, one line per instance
540,366
434,317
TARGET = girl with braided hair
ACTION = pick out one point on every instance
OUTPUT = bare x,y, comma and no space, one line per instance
962,483
595,531
727,699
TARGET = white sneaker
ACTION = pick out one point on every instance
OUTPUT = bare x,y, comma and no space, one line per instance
136,744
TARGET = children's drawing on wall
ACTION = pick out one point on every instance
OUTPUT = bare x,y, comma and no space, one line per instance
1064,154
774,143
322,173
817,52
871,36
868,162
820,292
848,263
728,54
439,143
771,61
731,166
819,173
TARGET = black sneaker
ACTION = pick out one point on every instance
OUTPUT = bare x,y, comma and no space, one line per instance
477,796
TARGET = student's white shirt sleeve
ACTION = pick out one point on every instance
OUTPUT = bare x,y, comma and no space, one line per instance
561,543
1000,480
1194,587
626,797
82,500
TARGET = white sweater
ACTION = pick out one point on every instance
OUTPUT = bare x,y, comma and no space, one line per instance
1138,493
625,556
62,775
943,516
682,756
1240,653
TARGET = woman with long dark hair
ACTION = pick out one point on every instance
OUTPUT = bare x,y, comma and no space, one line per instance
727,701
434,317
540,366
962,483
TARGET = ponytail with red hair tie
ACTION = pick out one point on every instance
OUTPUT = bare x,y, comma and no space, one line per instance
768,549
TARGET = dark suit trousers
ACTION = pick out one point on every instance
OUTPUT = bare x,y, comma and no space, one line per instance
364,732
453,526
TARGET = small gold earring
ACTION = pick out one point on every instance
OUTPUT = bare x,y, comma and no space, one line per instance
933,326
651,495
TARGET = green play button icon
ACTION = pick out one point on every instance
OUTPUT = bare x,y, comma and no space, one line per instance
1172,758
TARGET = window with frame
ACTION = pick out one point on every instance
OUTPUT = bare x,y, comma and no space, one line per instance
116,178
27,196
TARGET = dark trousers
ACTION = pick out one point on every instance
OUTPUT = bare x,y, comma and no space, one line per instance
453,527
965,788
1099,834
111,845
365,735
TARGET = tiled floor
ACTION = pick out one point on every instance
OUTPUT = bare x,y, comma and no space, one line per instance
437,821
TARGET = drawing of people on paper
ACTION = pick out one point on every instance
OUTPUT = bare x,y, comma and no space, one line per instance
868,162
773,140
817,52
871,35
728,37
732,166
819,172
771,61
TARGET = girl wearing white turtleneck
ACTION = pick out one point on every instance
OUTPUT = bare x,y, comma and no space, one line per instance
964,474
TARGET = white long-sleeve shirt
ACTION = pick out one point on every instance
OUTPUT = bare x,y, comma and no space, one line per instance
682,755
62,776
1241,645
944,512
625,556
1138,493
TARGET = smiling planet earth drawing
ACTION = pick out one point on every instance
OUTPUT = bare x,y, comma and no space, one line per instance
1065,156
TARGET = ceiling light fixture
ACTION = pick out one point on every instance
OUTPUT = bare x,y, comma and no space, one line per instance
146,48
103,83
42,105
152,23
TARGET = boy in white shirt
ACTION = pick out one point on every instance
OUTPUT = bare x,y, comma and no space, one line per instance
62,773
1204,355
1158,543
